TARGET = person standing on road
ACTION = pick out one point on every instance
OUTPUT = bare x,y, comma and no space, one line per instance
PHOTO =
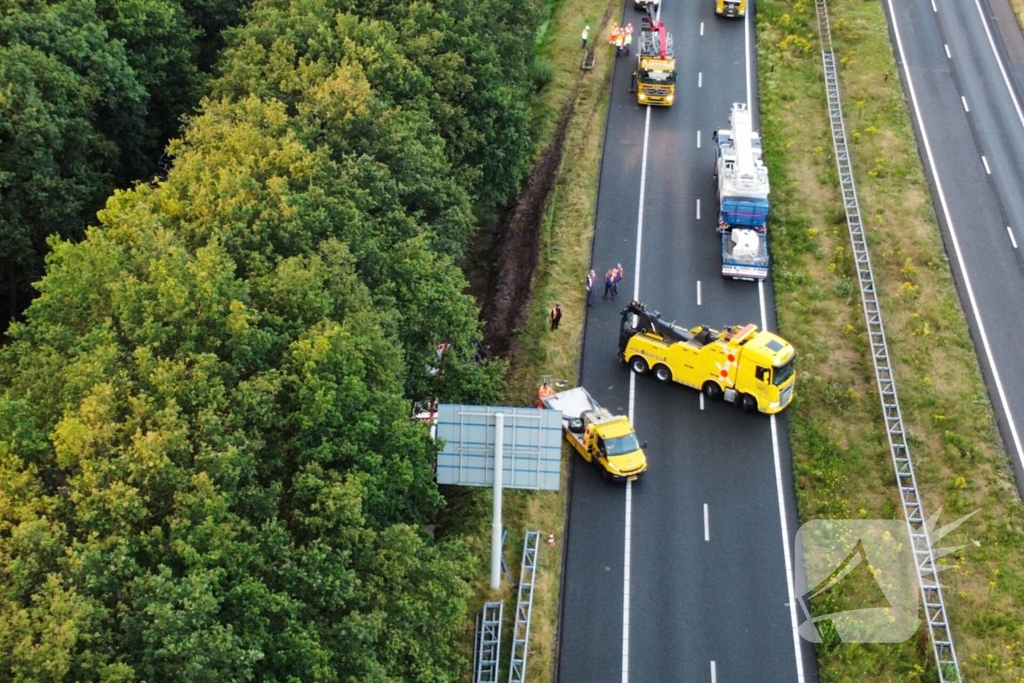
556,316
609,280
617,274
591,281
629,41
585,35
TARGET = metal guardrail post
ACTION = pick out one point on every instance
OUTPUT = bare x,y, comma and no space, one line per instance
927,574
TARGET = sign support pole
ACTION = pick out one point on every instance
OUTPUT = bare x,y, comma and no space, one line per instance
499,446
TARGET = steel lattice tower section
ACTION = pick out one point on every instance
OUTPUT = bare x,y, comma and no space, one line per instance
488,643
521,632
927,574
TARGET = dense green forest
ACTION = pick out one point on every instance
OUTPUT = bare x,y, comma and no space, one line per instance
208,470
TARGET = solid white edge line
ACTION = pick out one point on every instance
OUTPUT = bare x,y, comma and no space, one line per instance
707,534
964,100
632,405
948,55
999,61
956,243
1010,233
791,591
985,161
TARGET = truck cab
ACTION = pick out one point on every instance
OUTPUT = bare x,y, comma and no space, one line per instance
731,8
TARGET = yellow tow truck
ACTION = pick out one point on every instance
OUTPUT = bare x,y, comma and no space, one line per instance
602,438
731,8
654,80
740,364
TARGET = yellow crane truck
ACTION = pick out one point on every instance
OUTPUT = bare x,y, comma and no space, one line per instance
731,8
740,364
602,438
655,77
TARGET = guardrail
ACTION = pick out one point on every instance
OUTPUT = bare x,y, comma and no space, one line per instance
927,575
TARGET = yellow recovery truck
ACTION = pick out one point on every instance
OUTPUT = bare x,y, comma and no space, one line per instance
604,439
740,364
731,8
655,77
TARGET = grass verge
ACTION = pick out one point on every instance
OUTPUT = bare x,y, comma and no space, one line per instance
566,235
841,459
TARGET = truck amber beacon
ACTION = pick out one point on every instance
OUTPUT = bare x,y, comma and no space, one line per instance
740,364
601,437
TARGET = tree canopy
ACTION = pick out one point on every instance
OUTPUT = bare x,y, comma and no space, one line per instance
208,469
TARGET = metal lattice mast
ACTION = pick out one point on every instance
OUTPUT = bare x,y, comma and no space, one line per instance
521,633
488,644
927,573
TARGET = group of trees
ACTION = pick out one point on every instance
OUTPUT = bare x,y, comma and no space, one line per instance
208,470
91,92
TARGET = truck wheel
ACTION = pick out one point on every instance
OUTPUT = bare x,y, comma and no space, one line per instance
749,403
639,365
712,390
576,425
662,374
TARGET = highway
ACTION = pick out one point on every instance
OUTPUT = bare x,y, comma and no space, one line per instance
684,575
962,64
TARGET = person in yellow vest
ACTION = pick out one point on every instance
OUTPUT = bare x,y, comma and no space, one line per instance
620,42
628,41
585,35
613,36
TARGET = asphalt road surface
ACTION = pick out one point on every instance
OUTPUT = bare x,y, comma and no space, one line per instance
962,64
657,589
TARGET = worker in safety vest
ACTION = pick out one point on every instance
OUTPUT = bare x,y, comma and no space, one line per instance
620,42
544,392
628,41
614,34
585,35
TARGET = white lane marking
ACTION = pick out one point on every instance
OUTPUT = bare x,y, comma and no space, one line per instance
698,212
707,535
775,438
698,139
714,679
785,548
948,56
700,78
956,245
702,400
985,161
632,403
698,292
702,28
1010,233
964,100
934,8
625,584
999,61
